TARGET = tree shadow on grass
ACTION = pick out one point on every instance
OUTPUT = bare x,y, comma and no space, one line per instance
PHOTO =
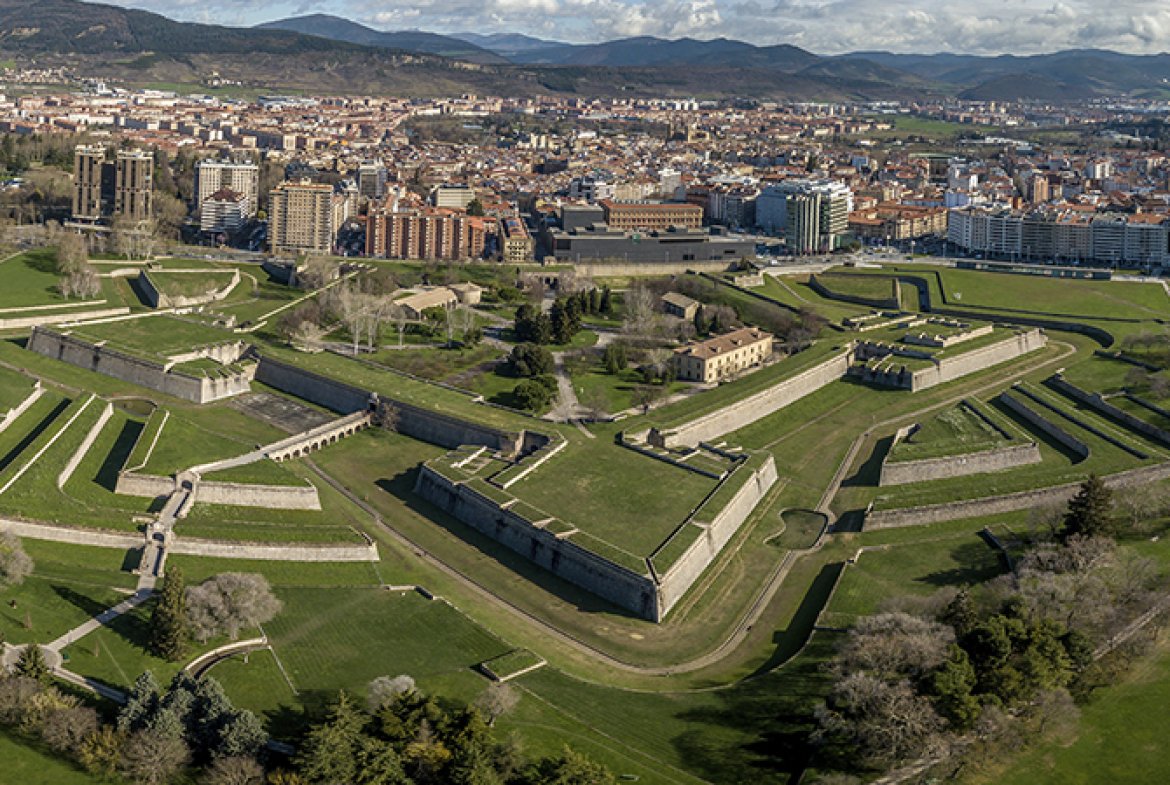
402,487
759,730
978,563
91,606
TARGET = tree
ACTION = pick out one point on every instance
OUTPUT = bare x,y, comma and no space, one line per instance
531,395
168,622
570,768
529,359
952,685
641,313
72,254
532,326
615,358
327,754
605,306
15,564
383,690
497,700
475,207
894,645
66,729
646,395
152,758
234,771
228,603
32,665
141,703
101,751
879,722
1090,510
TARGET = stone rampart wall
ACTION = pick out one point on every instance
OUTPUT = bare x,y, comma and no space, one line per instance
1012,502
1044,425
79,454
950,368
43,531
147,486
276,497
157,299
414,421
1095,401
675,582
563,558
982,462
25,322
315,438
146,373
292,553
623,270
755,407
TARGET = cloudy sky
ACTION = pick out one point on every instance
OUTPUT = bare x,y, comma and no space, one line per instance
823,26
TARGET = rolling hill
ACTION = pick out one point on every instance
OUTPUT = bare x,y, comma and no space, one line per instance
338,29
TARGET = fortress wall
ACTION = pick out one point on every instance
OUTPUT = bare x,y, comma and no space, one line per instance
675,582
154,298
12,414
145,485
25,322
563,558
413,421
1095,401
314,438
276,497
79,455
997,460
146,373
1046,426
748,410
44,531
292,553
951,368
995,505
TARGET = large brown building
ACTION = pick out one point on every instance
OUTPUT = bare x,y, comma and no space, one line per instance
651,215
300,218
429,233
723,356
893,221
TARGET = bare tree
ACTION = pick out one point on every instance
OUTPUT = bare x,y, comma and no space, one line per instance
382,690
15,564
236,770
153,758
895,644
497,700
641,312
65,729
228,603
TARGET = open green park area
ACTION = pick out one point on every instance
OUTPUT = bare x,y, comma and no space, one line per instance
154,337
31,281
723,689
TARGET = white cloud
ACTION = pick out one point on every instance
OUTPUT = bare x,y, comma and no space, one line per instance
823,26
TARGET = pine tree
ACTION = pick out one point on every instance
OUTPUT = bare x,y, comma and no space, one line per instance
1090,511
168,623
606,305
32,664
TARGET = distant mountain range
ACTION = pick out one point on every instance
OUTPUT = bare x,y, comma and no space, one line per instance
328,53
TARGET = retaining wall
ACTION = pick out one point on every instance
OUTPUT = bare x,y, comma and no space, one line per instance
79,455
293,553
1044,425
1012,502
675,582
1095,401
755,407
623,270
156,299
951,368
146,373
275,497
12,414
147,486
562,557
25,322
43,531
414,421
981,462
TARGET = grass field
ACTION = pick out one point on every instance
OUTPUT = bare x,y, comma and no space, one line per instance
954,431
868,287
28,763
30,280
189,284
154,337
14,389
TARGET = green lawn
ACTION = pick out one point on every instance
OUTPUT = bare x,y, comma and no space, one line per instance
955,431
615,494
175,284
154,337
14,389
865,286
30,280
27,763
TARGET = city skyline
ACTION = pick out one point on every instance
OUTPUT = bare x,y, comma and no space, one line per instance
982,27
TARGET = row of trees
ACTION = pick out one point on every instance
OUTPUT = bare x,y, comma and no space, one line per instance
563,320
406,737
964,671
220,606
